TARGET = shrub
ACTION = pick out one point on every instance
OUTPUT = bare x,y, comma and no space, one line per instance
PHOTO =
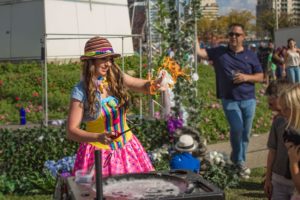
23,155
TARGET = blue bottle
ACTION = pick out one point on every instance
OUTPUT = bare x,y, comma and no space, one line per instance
22,116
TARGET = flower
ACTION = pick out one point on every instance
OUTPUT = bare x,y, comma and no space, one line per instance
41,138
222,137
173,68
217,158
195,77
40,108
63,166
35,94
174,123
157,115
17,98
157,154
27,110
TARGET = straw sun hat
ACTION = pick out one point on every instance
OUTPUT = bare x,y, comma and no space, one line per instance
98,47
186,143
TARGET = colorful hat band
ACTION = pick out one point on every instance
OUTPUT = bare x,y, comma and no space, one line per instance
100,52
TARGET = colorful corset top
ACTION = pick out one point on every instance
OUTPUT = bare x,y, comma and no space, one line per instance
111,118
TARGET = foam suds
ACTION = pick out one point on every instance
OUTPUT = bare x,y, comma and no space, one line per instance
140,188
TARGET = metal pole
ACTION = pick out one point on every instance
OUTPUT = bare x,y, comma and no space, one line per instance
90,4
195,52
151,104
95,34
43,75
99,180
276,15
45,80
141,61
132,15
46,83
123,54
178,24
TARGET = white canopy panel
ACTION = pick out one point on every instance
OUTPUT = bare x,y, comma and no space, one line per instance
67,24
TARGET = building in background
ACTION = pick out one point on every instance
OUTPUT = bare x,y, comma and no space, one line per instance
290,7
210,8
296,10
283,34
64,23
138,17
138,21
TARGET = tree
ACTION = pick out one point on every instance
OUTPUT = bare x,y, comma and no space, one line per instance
205,27
243,17
266,23
218,26
285,20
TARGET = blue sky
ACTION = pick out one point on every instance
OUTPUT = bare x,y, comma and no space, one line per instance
226,5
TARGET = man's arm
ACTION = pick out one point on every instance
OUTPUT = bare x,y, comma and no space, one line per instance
277,58
294,157
253,78
201,52
268,178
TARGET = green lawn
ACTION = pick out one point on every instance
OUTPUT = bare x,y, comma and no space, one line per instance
248,189
35,197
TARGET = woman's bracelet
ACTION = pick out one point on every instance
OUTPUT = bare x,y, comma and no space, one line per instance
152,87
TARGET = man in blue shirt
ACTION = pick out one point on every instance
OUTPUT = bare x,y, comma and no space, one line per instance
184,159
236,69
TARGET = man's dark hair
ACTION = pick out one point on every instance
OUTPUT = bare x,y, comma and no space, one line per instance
236,24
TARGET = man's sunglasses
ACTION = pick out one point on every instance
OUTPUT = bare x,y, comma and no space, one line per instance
231,34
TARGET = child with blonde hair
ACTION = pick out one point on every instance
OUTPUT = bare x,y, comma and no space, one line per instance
290,109
277,185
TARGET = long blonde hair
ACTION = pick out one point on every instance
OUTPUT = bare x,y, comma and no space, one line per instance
290,99
115,81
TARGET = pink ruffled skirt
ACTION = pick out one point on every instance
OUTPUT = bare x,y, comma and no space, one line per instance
132,158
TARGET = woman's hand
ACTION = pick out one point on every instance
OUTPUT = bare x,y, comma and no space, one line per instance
159,81
268,187
293,152
240,78
157,84
105,138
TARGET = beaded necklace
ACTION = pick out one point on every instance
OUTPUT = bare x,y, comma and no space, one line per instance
102,83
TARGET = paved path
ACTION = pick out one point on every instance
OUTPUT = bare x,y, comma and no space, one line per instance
257,150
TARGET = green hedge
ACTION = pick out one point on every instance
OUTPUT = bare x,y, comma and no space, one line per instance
22,156
25,151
